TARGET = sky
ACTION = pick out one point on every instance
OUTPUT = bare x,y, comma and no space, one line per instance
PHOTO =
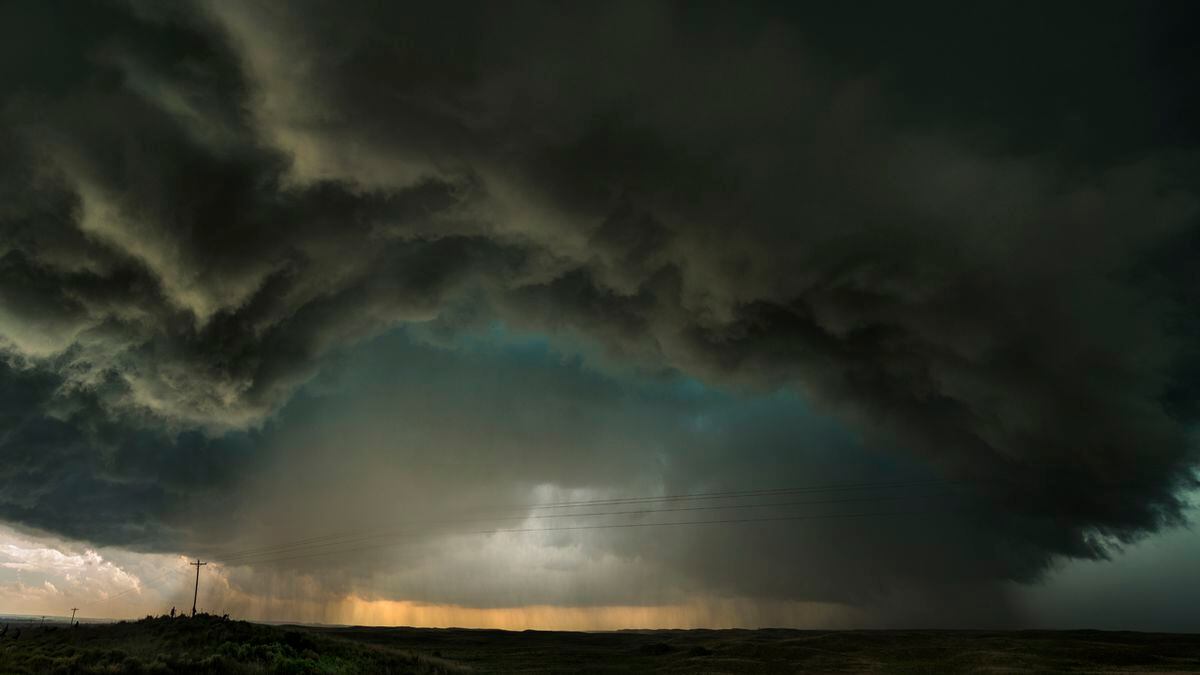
601,315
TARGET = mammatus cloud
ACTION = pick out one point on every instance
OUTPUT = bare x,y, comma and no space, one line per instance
204,204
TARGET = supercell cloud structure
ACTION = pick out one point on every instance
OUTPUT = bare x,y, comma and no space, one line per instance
240,241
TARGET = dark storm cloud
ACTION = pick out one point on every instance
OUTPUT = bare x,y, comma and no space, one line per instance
148,228
69,468
950,237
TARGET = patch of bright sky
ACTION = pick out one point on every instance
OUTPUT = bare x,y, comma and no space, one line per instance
1151,585
41,575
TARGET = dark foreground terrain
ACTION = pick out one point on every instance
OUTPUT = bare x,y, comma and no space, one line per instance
213,645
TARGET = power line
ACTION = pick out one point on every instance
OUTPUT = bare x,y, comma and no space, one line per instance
362,535
198,564
356,535
348,539
337,543
726,507
742,493
605,526
143,583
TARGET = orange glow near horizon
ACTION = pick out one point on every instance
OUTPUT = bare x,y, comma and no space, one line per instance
700,614
706,613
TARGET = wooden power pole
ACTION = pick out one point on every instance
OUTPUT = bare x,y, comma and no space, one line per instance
76,609
196,592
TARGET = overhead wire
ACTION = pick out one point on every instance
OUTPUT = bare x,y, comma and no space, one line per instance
352,536
142,583
615,526
357,541
837,487
234,559
337,542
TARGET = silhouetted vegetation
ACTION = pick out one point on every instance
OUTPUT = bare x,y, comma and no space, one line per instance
211,644
203,644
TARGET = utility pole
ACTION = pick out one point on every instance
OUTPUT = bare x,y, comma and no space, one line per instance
76,609
196,592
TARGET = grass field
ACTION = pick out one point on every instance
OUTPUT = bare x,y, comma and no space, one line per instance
212,645
204,644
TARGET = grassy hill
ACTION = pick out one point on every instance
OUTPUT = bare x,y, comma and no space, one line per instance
204,644
208,644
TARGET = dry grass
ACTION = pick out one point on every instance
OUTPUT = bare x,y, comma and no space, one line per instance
213,645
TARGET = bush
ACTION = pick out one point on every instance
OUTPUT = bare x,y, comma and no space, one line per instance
204,645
